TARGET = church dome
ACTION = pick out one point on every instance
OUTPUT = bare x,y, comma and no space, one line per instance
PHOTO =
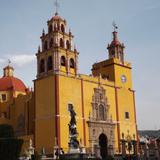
9,82
12,83
56,17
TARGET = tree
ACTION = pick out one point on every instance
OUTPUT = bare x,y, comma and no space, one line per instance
10,146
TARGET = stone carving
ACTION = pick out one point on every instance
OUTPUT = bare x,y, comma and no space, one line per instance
100,122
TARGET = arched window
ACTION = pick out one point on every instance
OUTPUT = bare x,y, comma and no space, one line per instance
68,45
71,63
62,28
61,43
102,112
63,61
42,66
45,45
51,43
58,27
49,63
55,27
112,54
50,28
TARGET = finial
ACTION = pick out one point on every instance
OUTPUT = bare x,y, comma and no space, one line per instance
70,33
56,6
9,62
75,50
114,26
39,49
43,32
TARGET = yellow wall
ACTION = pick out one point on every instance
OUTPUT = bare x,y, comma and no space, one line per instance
69,93
45,113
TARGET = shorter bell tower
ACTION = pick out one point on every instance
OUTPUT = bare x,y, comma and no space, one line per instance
115,68
116,49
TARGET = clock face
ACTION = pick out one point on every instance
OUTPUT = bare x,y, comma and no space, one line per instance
123,79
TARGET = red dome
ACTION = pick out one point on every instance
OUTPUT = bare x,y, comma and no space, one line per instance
12,83
115,43
57,17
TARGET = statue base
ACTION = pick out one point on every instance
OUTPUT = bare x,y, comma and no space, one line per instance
74,151
77,156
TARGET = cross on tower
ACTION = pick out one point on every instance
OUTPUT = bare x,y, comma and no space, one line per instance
114,26
56,6
9,61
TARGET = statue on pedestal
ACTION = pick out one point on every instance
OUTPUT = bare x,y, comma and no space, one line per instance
73,134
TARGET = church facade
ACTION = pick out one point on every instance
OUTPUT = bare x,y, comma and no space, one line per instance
104,102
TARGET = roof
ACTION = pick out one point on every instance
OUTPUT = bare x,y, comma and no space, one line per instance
115,43
8,67
56,17
12,83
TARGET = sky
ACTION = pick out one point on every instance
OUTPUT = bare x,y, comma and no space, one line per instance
91,23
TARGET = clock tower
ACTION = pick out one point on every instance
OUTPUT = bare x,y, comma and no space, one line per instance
115,68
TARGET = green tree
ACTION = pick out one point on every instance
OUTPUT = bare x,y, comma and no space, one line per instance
10,146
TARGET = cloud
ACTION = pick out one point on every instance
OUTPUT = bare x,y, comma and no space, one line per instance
19,59
2,60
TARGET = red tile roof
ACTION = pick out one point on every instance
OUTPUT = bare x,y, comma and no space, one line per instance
12,83
115,43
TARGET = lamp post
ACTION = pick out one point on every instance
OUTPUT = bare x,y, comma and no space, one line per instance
123,143
134,143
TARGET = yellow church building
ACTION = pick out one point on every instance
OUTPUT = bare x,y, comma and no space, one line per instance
104,101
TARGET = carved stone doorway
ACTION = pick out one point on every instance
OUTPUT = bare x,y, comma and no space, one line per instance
103,143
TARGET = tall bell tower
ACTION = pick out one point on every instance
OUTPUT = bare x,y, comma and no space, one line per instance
56,58
56,54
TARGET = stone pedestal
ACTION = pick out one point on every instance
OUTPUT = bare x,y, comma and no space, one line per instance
77,156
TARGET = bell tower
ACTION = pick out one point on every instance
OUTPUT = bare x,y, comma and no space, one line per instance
56,59
56,54
116,49
115,68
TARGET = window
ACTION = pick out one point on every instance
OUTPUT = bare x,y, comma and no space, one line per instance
62,28
68,45
45,45
55,27
112,54
51,43
63,61
3,115
61,43
50,28
126,115
105,76
4,97
49,63
71,63
42,64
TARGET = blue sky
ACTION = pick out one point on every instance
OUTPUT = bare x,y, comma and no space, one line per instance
91,22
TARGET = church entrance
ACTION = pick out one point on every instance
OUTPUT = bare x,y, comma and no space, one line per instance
103,143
